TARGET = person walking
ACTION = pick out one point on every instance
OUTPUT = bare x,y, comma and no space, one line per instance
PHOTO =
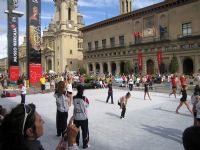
62,108
23,93
146,90
123,103
183,100
110,92
173,80
80,115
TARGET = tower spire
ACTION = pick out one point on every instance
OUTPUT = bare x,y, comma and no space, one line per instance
125,6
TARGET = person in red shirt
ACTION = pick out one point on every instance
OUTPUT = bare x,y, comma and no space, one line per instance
173,80
182,80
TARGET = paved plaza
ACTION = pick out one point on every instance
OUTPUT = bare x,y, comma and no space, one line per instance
149,125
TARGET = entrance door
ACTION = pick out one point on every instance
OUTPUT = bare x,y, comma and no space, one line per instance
188,66
150,67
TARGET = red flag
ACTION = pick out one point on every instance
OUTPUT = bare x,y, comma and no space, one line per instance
159,57
140,60
14,73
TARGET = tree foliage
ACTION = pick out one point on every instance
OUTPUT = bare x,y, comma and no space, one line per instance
128,68
173,66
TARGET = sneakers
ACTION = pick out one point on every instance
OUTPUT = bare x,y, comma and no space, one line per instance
122,117
84,147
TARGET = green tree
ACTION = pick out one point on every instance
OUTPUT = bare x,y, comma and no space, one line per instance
128,68
82,71
173,66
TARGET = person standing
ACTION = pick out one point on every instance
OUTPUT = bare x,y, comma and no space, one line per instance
62,108
146,90
110,92
81,104
130,83
42,82
173,80
69,88
196,97
183,100
123,103
23,93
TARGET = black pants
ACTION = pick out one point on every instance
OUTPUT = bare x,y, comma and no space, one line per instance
123,111
23,98
85,131
110,94
61,122
130,87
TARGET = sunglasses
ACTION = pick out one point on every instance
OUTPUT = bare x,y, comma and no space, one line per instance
27,111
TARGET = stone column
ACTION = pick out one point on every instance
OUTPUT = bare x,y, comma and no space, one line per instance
109,67
52,65
117,67
94,68
87,68
196,63
101,68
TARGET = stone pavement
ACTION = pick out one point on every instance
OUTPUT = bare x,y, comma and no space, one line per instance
149,125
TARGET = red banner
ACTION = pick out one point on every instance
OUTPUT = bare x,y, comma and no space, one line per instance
14,73
159,57
35,73
140,60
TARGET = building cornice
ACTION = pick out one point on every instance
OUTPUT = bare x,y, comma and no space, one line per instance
159,7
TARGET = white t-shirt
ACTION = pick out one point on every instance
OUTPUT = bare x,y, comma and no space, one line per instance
69,87
23,90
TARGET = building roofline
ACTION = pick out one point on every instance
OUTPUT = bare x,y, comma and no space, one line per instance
159,7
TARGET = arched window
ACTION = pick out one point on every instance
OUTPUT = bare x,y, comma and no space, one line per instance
69,14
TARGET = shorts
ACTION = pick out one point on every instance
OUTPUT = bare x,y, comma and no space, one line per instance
173,87
69,92
42,87
183,99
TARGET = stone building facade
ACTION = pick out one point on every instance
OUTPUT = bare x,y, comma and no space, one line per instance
150,36
61,41
4,65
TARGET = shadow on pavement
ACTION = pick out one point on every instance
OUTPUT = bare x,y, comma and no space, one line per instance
112,114
170,111
169,133
100,101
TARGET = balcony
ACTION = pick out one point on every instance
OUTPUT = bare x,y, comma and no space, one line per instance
149,40
106,47
188,36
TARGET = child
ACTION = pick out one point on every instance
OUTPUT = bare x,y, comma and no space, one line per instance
123,103
183,100
146,90
23,93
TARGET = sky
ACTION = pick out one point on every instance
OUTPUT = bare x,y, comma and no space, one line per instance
92,10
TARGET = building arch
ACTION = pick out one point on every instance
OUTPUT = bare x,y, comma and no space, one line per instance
90,68
150,66
97,68
105,68
122,67
188,67
49,65
113,68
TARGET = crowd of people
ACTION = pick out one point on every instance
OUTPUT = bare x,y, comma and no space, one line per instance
23,125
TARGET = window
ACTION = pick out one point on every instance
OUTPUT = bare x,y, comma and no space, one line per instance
69,14
112,42
70,51
121,40
104,43
163,33
79,45
187,29
96,43
89,46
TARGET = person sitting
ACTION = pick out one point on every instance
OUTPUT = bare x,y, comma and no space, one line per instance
22,127
191,137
